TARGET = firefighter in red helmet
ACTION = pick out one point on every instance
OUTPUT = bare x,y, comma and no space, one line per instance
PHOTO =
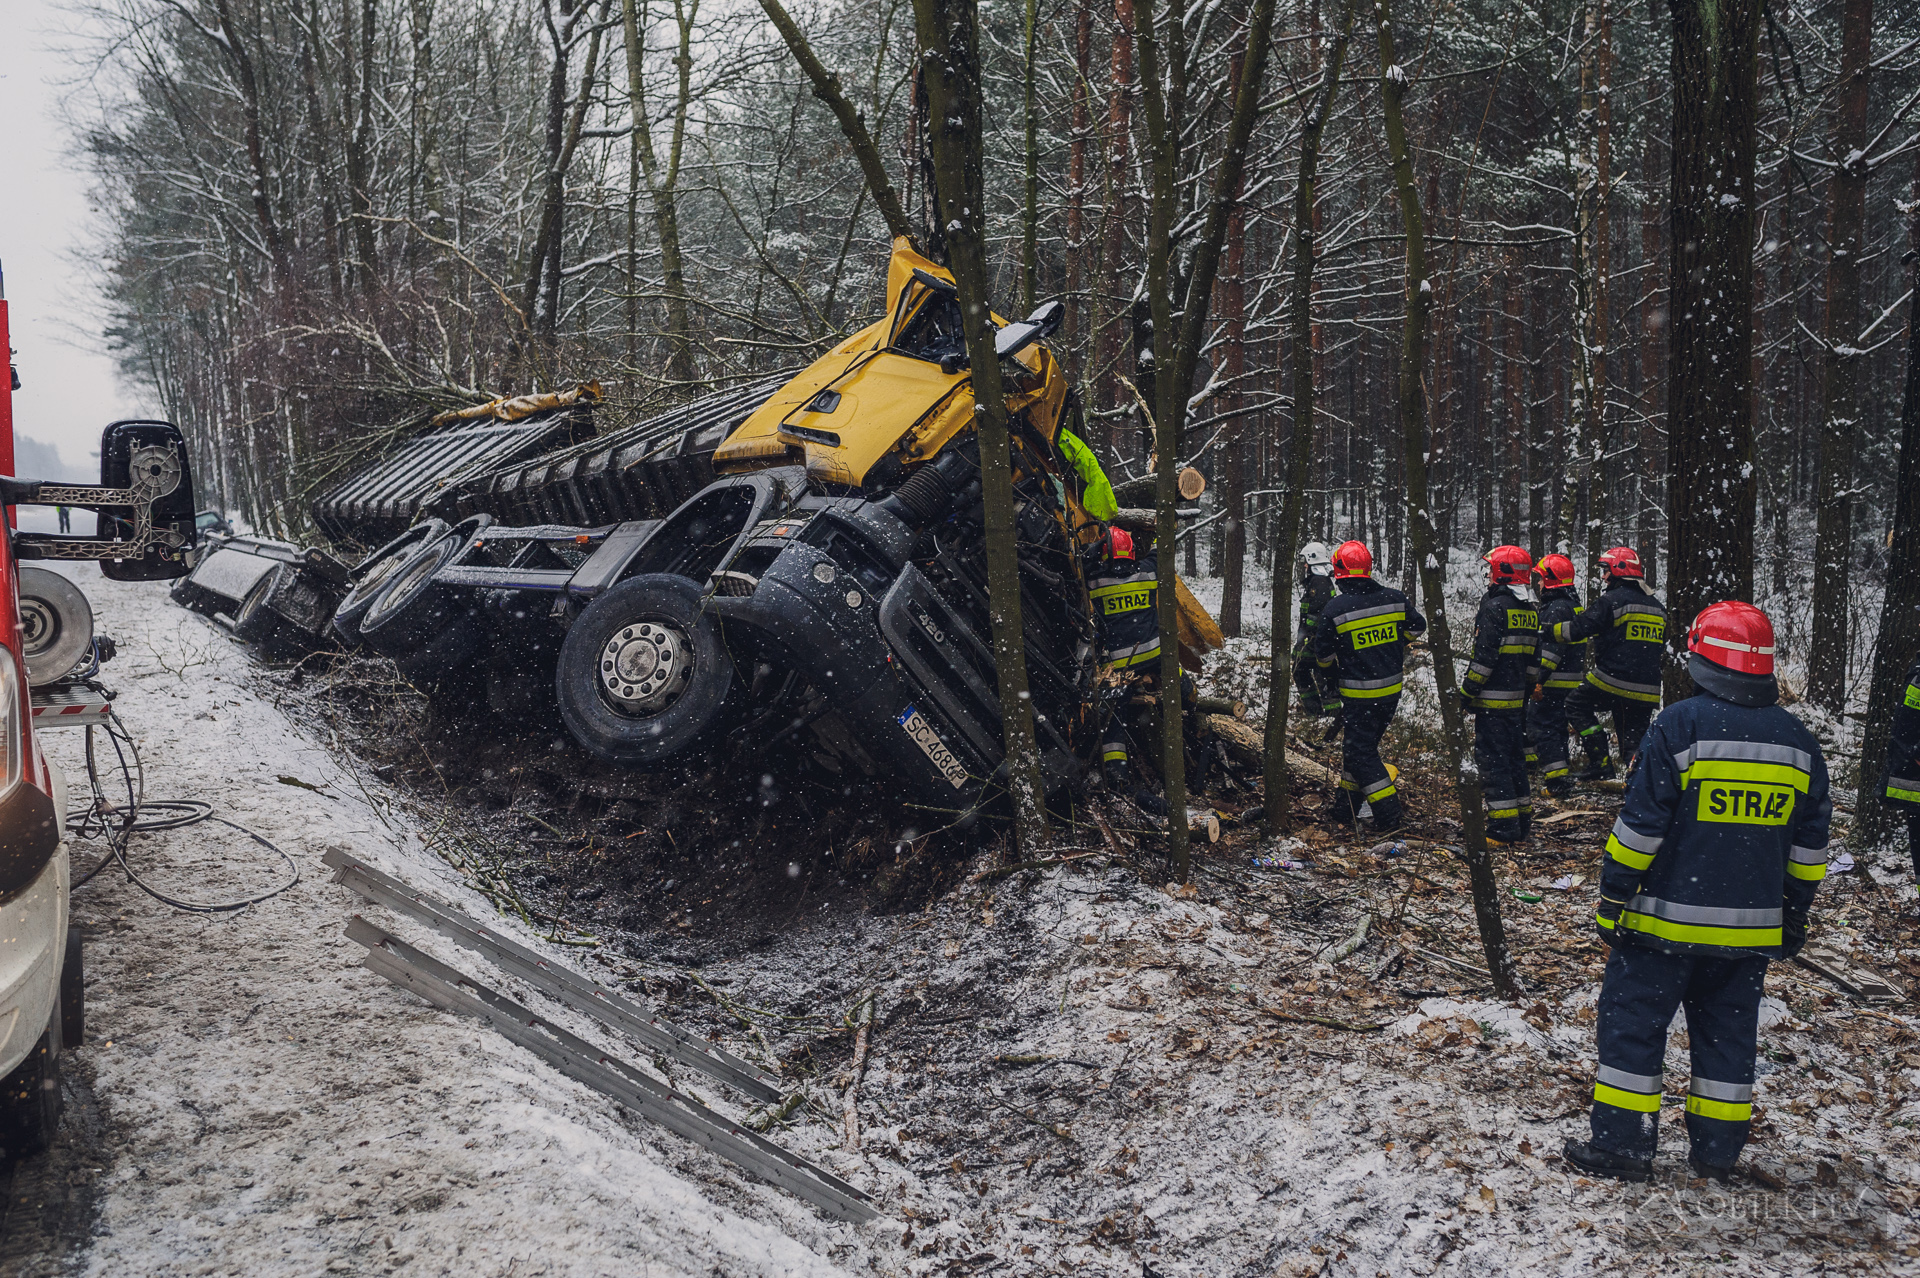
1562,668
1710,871
1361,636
1506,640
1628,629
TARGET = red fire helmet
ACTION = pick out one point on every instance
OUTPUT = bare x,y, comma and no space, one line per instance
1735,635
1623,561
1119,543
1352,559
1508,565
1555,570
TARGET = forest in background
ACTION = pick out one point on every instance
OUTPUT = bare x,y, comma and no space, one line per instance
324,221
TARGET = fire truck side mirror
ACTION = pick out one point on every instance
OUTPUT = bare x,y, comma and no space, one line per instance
150,458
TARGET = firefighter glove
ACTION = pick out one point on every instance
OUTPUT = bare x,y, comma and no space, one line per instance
1793,937
1606,918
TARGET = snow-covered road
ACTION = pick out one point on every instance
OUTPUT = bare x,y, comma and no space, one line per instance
267,1106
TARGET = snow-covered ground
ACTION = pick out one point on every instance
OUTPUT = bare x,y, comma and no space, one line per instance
1074,1068
271,1107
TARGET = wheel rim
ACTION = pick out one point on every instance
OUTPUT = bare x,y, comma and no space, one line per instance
645,667
38,626
377,575
405,583
255,598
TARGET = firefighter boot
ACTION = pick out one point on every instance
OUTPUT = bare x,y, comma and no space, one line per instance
1388,815
1708,1171
1594,1161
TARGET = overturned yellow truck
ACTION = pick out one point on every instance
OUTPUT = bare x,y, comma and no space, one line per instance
824,595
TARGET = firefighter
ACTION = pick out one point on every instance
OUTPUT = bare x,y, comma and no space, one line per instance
1901,780
1628,627
1506,640
1362,632
1709,872
1126,595
1561,670
1316,588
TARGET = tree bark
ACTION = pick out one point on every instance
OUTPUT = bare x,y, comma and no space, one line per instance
1710,481
663,186
1840,409
950,65
1077,171
1285,535
1428,546
853,124
1900,610
1030,210
1161,198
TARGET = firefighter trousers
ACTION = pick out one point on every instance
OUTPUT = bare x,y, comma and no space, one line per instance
1315,698
1547,737
1363,774
1638,996
1500,753
1630,719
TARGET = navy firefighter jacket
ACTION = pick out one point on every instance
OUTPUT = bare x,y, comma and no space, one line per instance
1506,638
1902,777
1364,630
1723,836
1563,664
1628,627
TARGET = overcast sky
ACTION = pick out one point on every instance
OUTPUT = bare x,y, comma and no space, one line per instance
69,388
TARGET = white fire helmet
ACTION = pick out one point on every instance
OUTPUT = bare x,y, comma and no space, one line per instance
1316,557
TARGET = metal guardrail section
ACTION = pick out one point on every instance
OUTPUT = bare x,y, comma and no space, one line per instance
562,984
388,497
453,990
642,472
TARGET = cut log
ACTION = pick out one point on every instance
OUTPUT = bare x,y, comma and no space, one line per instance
1246,745
1221,705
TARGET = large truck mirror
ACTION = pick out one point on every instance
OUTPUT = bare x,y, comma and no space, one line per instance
144,505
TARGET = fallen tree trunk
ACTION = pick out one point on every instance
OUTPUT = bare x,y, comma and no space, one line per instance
1245,741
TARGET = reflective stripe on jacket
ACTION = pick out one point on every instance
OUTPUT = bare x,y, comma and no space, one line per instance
1902,776
1506,639
1563,663
1723,836
1363,630
1628,627
1125,595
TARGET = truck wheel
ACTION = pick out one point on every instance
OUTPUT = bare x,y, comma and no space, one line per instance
30,1098
374,571
643,675
253,621
411,611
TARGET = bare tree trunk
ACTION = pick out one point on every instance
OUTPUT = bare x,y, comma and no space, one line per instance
1077,172
1110,309
1166,435
1900,610
234,47
853,124
1233,365
1428,549
1840,412
663,187
1710,482
950,65
1600,250
1030,212
1285,537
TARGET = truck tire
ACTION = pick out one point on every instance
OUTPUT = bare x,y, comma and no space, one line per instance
372,573
643,675
253,621
412,613
30,1098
